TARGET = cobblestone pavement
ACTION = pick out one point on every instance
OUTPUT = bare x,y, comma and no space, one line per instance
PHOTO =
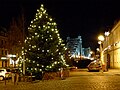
78,80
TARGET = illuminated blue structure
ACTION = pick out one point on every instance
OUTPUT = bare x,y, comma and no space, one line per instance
76,49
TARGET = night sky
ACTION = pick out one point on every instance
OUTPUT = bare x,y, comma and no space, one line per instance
87,18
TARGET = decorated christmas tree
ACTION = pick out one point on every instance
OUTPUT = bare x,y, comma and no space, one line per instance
43,49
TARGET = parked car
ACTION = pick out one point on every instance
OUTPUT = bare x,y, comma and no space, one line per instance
4,73
73,68
94,66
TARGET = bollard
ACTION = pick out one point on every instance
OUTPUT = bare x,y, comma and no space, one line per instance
8,78
14,78
61,73
17,77
31,77
5,80
24,78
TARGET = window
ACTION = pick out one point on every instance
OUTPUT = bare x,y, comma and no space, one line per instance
5,52
2,64
5,63
1,42
5,42
2,52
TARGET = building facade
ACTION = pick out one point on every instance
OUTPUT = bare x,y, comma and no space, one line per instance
111,48
4,62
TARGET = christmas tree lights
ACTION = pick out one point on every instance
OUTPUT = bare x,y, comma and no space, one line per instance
43,49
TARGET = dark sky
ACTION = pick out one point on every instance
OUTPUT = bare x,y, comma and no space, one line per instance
87,18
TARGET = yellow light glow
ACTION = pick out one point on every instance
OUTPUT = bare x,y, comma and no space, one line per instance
40,69
3,58
101,38
37,10
44,12
42,9
50,19
10,55
35,33
107,33
48,26
98,49
52,29
91,52
54,23
32,36
58,34
42,5
39,16
56,31
31,21
99,42
46,16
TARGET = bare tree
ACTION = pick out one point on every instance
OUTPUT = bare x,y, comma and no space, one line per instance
16,35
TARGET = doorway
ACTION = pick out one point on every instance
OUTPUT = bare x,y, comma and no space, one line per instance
108,60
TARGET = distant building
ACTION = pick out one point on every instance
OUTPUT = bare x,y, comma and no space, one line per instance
76,49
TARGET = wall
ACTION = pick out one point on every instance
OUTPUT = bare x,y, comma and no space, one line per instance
113,47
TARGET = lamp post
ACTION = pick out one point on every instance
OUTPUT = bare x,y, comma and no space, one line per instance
23,54
13,58
101,39
106,36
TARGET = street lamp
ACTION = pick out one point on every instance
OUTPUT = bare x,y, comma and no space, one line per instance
101,39
23,55
13,59
106,36
107,33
